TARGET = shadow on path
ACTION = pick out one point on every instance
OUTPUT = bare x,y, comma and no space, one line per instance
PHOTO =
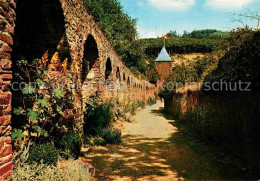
148,158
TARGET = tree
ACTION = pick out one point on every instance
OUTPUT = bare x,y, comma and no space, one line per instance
172,33
119,28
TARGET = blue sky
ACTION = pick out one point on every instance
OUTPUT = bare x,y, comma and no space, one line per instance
157,17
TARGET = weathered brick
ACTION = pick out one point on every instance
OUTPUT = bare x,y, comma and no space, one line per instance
5,5
3,24
5,159
5,120
7,176
5,99
6,76
5,48
6,168
5,130
5,150
5,63
5,140
6,38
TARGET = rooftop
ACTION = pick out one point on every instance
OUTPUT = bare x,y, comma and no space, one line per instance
163,56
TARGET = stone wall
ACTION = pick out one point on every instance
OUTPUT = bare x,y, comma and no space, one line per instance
7,18
79,26
70,42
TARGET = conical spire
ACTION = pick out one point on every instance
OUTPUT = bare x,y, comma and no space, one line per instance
164,56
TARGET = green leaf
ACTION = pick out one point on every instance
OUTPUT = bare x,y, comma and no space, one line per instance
41,131
33,115
18,111
60,111
17,134
59,93
44,103
28,90
40,82
70,76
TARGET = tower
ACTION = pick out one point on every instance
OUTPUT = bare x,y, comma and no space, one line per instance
163,65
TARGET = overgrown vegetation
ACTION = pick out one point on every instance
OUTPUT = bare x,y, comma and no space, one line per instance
241,60
43,153
70,143
228,118
63,170
43,106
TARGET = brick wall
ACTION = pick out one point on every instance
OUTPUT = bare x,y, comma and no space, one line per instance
164,69
7,18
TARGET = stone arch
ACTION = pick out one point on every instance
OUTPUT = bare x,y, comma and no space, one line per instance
124,77
40,27
108,70
118,76
90,56
128,81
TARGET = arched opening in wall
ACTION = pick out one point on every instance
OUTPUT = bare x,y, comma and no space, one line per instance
40,27
124,77
128,81
118,77
108,70
90,56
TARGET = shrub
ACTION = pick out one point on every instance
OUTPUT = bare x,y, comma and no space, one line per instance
30,172
45,153
99,141
87,140
151,101
141,104
133,108
97,117
70,144
111,136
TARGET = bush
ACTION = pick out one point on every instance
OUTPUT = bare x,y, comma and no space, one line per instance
70,144
111,136
133,108
99,141
30,172
151,101
141,104
45,153
97,117
87,140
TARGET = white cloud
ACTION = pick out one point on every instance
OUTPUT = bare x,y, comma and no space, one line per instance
172,4
227,4
147,32
149,35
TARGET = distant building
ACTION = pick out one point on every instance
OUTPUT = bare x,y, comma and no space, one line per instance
163,65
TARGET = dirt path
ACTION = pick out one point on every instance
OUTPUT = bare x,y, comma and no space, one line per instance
151,150
150,123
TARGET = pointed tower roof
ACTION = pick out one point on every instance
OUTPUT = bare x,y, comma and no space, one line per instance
164,56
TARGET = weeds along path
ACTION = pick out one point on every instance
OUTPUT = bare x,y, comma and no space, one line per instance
151,150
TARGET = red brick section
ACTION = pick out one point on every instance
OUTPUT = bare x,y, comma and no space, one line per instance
164,70
7,18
